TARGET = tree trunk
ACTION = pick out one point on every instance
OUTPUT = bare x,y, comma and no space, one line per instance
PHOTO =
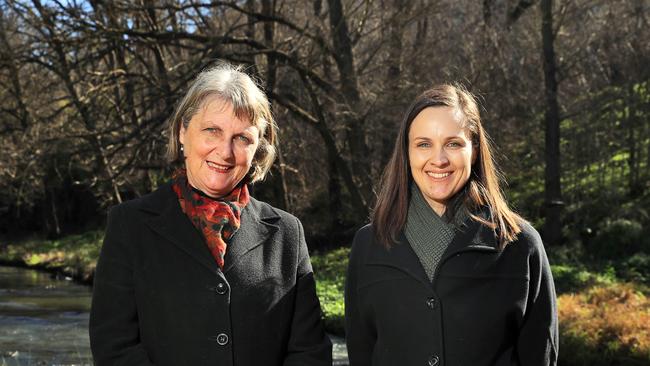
355,129
636,188
278,178
552,186
64,71
7,54
401,11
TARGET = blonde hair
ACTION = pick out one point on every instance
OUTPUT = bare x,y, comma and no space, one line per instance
230,84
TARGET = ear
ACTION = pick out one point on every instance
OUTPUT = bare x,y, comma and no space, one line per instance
181,134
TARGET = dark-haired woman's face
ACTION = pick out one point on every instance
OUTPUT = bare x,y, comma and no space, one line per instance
440,155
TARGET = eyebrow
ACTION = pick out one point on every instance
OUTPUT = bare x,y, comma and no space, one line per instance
213,124
423,138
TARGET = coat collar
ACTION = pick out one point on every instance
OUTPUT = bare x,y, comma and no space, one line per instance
472,236
167,219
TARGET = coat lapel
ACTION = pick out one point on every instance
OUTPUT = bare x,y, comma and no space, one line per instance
170,222
257,226
400,256
472,236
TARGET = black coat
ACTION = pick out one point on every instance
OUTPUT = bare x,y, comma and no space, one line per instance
483,307
159,297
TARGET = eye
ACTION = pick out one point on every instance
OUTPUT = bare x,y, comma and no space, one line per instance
423,145
243,139
455,144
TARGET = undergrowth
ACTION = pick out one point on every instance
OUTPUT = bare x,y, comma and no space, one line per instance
74,255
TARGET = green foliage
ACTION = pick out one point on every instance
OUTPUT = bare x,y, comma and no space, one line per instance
329,271
618,239
574,278
575,351
75,255
636,268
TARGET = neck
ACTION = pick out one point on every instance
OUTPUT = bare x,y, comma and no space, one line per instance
438,208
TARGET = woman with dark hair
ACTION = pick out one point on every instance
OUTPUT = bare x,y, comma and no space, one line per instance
199,272
446,273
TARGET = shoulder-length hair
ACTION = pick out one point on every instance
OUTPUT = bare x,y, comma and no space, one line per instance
482,190
230,84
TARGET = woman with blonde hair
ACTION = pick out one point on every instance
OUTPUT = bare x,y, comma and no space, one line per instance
446,273
199,272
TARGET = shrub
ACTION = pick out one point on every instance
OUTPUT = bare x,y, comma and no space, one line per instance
617,239
636,268
75,255
605,325
574,278
329,271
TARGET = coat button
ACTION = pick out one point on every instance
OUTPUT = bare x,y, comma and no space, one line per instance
222,339
431,303
433,360
221,288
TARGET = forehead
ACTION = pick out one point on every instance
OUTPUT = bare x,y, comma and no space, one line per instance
438,121
215,110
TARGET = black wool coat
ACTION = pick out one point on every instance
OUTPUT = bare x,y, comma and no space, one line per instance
159,298
483,307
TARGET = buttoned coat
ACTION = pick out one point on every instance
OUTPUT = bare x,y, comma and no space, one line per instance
484,306
159,298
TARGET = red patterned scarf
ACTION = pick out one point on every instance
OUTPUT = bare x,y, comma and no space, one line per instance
216,219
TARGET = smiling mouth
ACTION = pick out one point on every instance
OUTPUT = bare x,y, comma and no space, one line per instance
218,167
438,175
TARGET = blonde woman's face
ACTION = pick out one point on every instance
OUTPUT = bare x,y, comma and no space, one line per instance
218,147
440,155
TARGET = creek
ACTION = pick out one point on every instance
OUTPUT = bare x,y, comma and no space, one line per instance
44,321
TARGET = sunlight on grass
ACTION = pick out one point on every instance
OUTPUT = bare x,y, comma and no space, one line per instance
605,325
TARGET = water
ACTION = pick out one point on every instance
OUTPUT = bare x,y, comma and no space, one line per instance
44,321
339,351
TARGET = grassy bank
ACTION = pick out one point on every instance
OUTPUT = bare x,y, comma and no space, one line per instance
72,256
604,317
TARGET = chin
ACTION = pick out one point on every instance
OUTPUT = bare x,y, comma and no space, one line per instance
220,191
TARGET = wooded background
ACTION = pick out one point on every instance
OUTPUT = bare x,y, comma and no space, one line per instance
87,87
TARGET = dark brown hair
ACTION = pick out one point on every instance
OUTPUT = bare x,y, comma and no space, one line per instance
482,190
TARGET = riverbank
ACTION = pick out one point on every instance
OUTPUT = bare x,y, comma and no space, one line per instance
604,318
44,320
73,256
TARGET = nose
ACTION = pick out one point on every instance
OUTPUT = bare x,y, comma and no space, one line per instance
439,157
225,149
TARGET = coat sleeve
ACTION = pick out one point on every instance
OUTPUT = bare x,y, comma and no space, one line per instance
114,331
360,337
308,344
538,336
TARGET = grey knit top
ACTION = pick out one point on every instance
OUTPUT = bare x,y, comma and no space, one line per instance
428,234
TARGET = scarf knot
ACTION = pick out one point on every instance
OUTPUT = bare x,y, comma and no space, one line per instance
217,219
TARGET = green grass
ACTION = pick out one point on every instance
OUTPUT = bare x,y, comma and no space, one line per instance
575,278
329,271
74,255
